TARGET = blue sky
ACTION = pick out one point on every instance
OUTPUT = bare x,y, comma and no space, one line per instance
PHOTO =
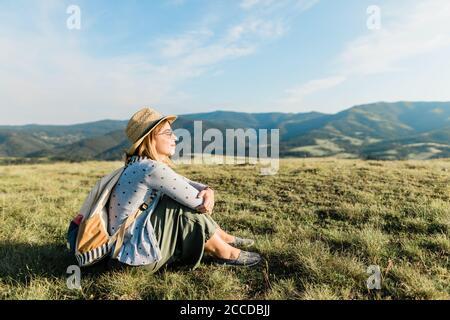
186,56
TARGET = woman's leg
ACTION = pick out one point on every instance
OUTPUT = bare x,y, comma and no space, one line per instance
228,238
219,248
232,240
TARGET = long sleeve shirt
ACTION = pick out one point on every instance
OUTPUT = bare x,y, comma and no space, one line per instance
141,177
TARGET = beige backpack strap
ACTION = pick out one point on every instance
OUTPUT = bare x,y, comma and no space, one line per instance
119,235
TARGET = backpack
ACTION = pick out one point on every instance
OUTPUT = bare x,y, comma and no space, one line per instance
87,236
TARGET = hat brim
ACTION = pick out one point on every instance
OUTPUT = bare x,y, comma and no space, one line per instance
170,118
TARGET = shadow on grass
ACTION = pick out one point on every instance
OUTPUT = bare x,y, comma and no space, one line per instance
396,225
279,266
22,261
260,279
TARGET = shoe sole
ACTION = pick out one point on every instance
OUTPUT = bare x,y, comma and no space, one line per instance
235,265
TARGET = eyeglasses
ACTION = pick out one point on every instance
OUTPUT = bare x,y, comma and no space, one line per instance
167,132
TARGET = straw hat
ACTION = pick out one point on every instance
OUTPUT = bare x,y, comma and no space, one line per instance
142,123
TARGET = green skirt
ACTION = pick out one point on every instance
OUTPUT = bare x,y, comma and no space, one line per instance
181,233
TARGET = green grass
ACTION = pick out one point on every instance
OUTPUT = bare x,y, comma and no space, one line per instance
318,223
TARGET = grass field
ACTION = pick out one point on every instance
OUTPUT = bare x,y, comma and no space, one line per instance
319,224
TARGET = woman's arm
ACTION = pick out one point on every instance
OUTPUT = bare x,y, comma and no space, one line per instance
206,193
163,178
208,200
197,185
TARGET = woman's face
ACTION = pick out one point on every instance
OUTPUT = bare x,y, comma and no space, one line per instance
165,141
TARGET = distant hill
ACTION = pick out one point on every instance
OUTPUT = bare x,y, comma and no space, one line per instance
376,131
401,130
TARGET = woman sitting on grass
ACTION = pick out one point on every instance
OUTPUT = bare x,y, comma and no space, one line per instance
180,228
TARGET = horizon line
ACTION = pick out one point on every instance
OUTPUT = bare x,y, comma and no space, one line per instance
229,111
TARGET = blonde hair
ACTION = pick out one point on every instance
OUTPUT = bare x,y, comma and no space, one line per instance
148,149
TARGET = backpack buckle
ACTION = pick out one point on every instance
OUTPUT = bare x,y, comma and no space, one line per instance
143,206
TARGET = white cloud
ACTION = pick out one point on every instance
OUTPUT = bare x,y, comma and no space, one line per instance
196,52
304,5
408,33
422,29
52,80
175,47
295,96
271,5
256,27
47,77
248,4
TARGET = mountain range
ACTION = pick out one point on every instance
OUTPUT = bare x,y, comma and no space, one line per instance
382,130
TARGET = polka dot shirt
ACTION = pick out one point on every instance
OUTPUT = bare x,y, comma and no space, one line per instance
141,177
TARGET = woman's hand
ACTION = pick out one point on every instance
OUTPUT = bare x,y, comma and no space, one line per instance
208,200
